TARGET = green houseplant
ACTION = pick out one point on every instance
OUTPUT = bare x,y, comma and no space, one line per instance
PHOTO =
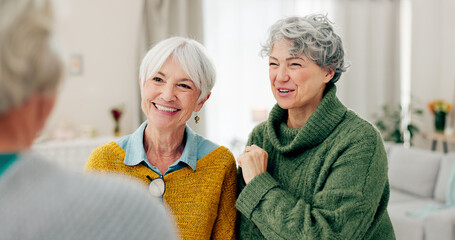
389,123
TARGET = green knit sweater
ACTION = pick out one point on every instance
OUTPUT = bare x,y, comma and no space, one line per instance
326,180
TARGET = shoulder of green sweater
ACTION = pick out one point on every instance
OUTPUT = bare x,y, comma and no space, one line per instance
221,156
361,134
105,154
358,126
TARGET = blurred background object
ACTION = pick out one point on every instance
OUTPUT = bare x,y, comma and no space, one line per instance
397,48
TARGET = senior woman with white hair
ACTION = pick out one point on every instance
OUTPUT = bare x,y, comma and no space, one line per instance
314,169
194,176
39,200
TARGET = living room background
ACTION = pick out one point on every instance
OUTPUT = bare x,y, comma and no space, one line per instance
106,39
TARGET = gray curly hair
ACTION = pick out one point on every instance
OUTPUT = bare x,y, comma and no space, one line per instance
313,35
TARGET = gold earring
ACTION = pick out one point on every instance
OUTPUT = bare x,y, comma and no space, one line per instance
196,119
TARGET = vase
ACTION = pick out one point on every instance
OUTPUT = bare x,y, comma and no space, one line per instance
117,129
439,122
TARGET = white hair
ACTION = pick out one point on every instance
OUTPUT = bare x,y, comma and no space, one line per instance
28,61
191,55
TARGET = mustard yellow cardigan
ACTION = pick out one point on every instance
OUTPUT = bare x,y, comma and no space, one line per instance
202,201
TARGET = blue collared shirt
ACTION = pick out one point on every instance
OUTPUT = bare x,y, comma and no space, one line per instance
196,147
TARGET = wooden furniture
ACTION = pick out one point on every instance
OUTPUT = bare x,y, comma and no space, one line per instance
436,137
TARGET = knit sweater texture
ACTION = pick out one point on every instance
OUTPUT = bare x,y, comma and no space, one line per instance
325,180
39,200
202,201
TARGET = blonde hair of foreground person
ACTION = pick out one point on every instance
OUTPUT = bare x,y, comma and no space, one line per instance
39,200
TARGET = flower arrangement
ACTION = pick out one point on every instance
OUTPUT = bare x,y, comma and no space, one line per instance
117,114
438,106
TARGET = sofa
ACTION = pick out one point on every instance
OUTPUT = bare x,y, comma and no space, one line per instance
419,178
72,153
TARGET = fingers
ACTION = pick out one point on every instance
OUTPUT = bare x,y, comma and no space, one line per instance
242,156
251,152
251,148
253,162
239,160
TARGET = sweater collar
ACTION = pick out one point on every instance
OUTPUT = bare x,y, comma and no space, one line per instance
6,159
319,125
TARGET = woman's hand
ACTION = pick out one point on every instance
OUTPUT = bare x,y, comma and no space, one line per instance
253,161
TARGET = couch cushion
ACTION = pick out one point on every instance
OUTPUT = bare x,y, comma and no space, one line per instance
389,145
414,170
440,225
397,196
407,227
445,170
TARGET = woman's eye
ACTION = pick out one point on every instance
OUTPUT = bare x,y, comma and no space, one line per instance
185,86
273,64
157,79
296,64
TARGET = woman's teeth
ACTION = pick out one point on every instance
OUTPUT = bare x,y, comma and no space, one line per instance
166,109
283,91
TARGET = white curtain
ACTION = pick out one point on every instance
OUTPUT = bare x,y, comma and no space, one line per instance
235,29
371,37
166,18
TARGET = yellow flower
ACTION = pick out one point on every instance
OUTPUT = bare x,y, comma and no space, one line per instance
439,106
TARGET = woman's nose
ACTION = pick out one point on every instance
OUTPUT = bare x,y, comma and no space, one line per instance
282,74
168,93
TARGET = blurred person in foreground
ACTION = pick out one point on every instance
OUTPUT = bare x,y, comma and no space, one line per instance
194,176
37,199
314,169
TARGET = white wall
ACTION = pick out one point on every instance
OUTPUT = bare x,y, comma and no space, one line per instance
447,50
433,49
105,34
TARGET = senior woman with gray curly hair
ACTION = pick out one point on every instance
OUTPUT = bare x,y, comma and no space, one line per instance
194,176
314,169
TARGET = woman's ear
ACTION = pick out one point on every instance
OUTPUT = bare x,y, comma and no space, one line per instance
201,103
329,73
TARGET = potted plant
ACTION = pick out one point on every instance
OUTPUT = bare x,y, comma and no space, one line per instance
439,108
389,123
116,113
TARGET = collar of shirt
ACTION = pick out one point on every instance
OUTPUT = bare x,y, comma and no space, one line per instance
196,147
6,159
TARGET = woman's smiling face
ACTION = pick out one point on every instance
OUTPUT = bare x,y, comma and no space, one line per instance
169,98
297,82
